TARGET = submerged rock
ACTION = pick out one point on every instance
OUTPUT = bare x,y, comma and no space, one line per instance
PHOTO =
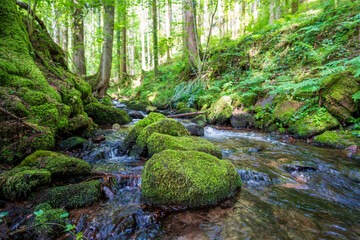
351,151
195,130
135,114
160,142
21,181
58,164
241,120
106,115
74,195
164,126
188,179
220,112
74,143
200,120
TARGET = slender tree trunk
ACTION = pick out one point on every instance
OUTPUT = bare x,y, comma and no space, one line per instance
65,39
278,10
294,6
272,16
124,41
142,32
169,29
104,73
192,48
243,16
155,37
78,40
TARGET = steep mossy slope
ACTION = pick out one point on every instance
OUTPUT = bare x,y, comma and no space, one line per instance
311,60
39,97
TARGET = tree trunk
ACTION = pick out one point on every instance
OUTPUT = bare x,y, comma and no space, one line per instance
191,43
155,37
169,29
124,41
294,6
65,39
78,40
104,73
272,16
142,32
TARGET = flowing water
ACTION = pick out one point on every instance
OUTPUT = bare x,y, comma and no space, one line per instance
290,191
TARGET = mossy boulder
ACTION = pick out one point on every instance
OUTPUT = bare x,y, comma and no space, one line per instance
200,120
337,95
164,126
188,179
74,143
186,110
285,110
220,112
134,133
107,101
79,125
242,120
72,98
75,195
195,130
58,164
21,181
139,106
340,139
314,123
49,222
160,142
106,115
181,105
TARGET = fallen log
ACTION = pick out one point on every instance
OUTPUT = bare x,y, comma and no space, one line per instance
182,115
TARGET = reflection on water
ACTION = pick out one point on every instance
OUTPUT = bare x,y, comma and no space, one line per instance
290,191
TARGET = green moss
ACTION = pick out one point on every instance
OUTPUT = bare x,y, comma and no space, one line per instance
220,112
106,115
200,120
82,86
75,195
282,130
74,143
336,139
130,139
78,124
313,124
49,222
337,95
72,98
188,179
285,110
186,110
12,103
107,101
58,164
181,105
21,181
139,106
159,142
164,126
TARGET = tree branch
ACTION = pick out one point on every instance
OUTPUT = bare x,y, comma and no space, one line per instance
23,5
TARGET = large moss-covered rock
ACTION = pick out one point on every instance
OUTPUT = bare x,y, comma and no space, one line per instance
107,101
160,142
74,143
340,139
164,126
106,115
79,125
314,123
139,106
58,164
284,110
130,139
21,181
75,195
200,120
49,222
337,96
220,112
188,179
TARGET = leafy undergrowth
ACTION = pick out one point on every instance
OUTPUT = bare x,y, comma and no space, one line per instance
292,59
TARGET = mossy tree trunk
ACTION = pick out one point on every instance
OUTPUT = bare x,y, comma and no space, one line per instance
102,78
294,6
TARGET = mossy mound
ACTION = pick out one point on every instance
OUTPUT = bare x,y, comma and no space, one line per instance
159,142
200,120
106,115
339,89
21,181
188,179
74,143
220,112
335,139
58,164
186,110
139,106
285,110
242,120
134,133
107,101
164,126
181,105
49,222
313,124
80,125
74,195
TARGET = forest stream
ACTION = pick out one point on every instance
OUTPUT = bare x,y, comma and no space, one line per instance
290,191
